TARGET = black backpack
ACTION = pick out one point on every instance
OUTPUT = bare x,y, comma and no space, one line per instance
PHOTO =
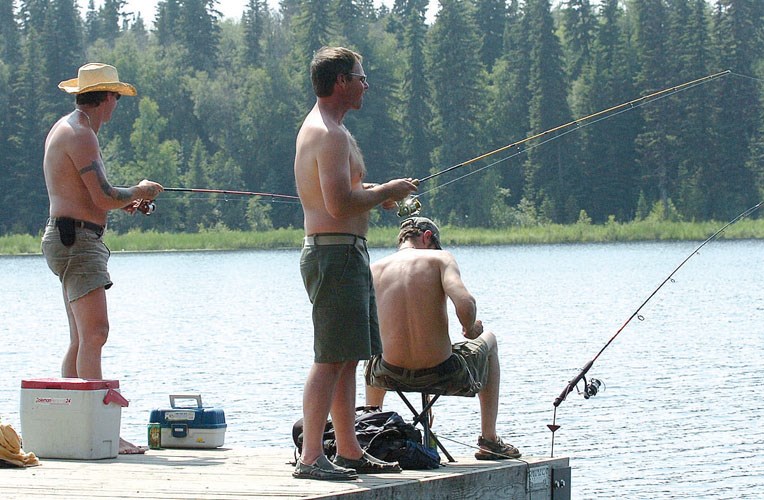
383,434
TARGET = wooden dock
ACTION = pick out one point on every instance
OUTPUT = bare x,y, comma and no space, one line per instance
266,473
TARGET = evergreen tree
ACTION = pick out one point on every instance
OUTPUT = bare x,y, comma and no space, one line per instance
63,55
611,181
109,19
200,210
199,33
224,173
167,22
415,114
756,158
352,22
458,81
688,32
491,19
254,19
23,152
658,159
138,27
312,27
310,24
32,15
92,24
10,44
552,177
510,94
579,23
737,32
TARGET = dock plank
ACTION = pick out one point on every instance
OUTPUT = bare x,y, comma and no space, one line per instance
225,474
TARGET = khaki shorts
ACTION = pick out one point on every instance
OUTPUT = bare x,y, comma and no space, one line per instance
82,267
463,374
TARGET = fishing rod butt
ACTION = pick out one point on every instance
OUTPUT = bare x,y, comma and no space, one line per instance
572,384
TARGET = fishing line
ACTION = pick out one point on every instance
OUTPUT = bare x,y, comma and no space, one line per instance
748,77
562,134
591,388
411,205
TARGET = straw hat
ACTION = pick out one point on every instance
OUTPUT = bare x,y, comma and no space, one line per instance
94,77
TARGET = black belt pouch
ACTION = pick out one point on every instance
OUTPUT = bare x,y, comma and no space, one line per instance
66,230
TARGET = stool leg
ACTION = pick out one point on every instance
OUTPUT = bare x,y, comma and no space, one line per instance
425,420
424,417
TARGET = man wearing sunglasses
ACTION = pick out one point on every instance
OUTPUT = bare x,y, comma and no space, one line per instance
336,200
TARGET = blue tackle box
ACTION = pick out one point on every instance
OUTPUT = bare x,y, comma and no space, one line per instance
189,426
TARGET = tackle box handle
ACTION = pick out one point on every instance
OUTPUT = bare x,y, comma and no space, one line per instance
197,397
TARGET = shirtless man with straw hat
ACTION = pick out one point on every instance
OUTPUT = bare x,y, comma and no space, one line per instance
80,199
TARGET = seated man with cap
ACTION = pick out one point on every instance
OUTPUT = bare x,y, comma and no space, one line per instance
411,287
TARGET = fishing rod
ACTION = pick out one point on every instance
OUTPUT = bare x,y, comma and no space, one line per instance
592,388
411,205
227,191
148,207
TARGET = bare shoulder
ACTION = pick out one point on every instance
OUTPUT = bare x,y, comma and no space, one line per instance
444,256
70,136
446,260
321,123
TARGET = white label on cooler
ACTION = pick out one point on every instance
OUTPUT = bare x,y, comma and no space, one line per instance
53,401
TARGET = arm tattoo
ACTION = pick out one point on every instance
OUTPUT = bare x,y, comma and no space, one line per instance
92,167
121,194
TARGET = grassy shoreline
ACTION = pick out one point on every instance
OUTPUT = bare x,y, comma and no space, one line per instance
150,241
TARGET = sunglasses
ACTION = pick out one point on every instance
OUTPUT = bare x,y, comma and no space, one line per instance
361,78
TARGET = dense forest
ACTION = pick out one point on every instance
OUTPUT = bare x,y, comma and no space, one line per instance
220,101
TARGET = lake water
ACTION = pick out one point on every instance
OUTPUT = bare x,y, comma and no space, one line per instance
680,416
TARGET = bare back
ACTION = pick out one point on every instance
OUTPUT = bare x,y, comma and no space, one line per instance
328,169
412,307
72,145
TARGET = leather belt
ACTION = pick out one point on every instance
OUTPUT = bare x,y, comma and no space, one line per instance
314,240
97,229
448,366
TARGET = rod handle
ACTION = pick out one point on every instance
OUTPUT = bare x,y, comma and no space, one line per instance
569,388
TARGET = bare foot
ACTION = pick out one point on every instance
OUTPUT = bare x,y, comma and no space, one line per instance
127,448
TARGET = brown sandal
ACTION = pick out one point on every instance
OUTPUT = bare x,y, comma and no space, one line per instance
495,450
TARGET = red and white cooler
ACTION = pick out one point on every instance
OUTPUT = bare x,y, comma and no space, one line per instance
71,417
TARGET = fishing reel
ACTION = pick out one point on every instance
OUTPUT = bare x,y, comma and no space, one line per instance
146,207
592,387
409,206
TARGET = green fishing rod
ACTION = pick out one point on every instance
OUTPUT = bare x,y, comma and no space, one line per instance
411,205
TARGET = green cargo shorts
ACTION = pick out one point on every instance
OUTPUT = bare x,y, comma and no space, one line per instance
339,285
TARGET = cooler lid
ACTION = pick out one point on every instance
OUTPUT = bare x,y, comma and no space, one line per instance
71,384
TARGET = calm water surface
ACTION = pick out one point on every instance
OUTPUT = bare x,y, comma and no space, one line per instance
680,417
